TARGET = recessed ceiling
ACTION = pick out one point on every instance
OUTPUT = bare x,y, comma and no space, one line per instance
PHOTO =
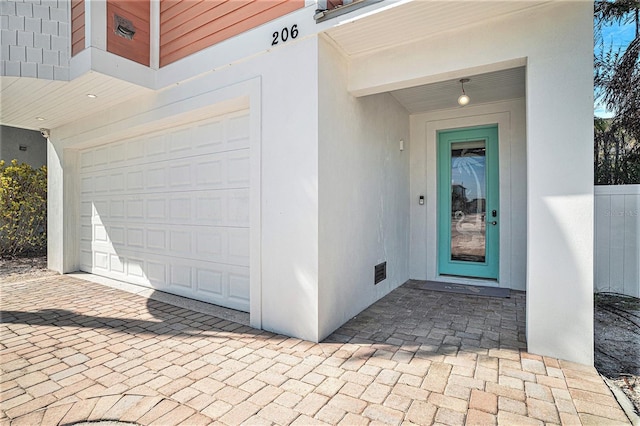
410,21
483,88
33,103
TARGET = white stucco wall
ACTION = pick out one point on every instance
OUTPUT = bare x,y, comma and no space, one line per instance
363,194
510,117
555,42
281,91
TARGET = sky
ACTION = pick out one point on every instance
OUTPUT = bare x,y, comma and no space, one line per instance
619,36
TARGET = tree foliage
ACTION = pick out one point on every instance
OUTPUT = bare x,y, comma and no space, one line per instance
23,209
616,81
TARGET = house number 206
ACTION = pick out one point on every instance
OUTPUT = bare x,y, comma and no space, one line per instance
284,34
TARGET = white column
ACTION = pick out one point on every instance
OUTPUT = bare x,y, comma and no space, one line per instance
62,209
55,201
560,190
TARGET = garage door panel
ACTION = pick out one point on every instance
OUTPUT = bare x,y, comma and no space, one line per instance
238,208
239,284
238,248
156,176
210,282
157,274
86,160
86,261
209,172
101,184
222,208
101,260
116,264
180,276
217,244
156,208
210,136
116,209
86,185
238,130
100,233
227,207
213,282
180,208
101,157
223,285
238,170
181,176
155,146
134,152
156,239
135,209
116,182
135,180
135,237
221,170
210,208
171,211
222,136
117,236
180,142
100,210
180,242
210,244
117,153
135,271
86,209
86,233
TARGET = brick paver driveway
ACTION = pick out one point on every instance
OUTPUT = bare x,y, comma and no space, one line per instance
74,351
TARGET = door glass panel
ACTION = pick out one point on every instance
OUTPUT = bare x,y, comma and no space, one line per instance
468,201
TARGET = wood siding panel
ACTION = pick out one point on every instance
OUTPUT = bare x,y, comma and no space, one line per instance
187,27
139,13
77,27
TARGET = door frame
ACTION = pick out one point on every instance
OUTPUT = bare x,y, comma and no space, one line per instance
510,117
446,266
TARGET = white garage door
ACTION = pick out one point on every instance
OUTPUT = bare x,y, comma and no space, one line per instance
171,211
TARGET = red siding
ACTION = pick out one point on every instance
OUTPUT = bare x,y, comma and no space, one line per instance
187,26
77,26
138,12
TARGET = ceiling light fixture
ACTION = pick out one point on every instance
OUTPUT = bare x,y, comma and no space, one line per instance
91,95
463,99
40,118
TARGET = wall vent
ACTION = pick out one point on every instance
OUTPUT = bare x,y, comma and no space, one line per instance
379,272
124,27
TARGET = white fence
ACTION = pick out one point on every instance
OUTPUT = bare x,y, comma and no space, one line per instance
617,239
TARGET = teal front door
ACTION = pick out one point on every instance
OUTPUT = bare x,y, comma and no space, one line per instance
468,205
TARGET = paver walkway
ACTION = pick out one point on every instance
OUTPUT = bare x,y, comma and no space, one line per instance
74,351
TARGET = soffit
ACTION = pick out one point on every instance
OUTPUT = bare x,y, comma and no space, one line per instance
483,88
60,102
404,22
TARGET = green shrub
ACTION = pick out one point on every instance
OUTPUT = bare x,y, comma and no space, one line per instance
23,209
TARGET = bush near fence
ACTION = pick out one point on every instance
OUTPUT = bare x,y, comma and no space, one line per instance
23,209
